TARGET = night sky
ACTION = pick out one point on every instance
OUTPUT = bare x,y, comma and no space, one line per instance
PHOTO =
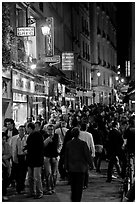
123,30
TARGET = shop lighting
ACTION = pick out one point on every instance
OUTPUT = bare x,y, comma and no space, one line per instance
46,30
118,72
98,74
116,78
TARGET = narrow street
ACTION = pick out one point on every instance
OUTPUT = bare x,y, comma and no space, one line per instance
98,191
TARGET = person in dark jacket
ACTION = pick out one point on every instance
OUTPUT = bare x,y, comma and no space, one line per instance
115,142
10,133
77,159
35,157
73,123
52,148
129,135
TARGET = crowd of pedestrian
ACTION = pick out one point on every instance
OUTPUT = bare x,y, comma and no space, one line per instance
66,147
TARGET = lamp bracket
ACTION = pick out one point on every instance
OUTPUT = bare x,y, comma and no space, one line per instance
31,20
50,64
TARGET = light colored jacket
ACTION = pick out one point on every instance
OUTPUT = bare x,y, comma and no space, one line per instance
87,137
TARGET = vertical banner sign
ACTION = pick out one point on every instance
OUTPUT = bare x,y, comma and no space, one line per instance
49,38
67,61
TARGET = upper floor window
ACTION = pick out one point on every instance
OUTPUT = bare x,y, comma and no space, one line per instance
41,6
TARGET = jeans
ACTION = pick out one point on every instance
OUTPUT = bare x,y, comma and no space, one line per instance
34,179
113,161
51,168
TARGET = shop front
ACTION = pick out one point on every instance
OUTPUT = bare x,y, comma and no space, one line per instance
28,97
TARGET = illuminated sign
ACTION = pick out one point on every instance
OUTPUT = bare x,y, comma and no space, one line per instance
25,31
18,97
49,37
55,58
67,61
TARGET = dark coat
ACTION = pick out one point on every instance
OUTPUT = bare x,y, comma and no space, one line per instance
97,137
35,148
67,138
77,156
14,132
115,142
51,149
130,136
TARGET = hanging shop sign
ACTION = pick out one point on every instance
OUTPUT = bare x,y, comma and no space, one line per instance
25,31
49,46
67,61
55,58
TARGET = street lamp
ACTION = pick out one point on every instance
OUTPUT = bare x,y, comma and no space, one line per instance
118,72
48,31
122,80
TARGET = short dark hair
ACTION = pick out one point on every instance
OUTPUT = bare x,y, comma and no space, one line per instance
114,124
38,122
31,125
21,126
10,120
75,132
83,126
50,125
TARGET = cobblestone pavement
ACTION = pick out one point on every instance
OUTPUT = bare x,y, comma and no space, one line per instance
98,190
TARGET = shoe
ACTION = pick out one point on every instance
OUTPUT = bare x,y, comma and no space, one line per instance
114,177
5,198
108,181
38,196
48,193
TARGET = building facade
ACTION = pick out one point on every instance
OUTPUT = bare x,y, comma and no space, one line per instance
85,31
103,51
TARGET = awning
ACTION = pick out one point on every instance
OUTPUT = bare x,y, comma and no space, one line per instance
66,81
129,96
44,69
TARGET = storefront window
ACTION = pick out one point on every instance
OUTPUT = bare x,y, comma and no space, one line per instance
19,113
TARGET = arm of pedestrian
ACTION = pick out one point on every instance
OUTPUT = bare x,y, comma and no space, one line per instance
47,140
60,144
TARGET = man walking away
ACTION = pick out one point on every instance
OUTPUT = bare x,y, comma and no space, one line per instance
87,137
35,159
77,158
